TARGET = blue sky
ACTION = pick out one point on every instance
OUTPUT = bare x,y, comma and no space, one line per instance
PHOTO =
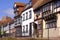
6,7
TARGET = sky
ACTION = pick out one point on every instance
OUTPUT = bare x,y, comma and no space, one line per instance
6,7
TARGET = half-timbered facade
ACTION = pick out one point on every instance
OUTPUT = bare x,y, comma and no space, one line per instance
50,10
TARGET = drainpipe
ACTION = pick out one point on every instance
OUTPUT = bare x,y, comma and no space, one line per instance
48,33
42,29
42,25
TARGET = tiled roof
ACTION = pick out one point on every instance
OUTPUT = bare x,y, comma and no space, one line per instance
40,3
5,20
20,4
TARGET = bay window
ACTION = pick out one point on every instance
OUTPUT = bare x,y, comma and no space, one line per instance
46,9
51,23
56,6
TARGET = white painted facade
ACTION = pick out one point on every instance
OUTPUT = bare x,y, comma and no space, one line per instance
27,22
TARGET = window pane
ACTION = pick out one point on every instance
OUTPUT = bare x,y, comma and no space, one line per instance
30,14
23,29
39,26
58,3
47,25
26,15
23,17
26,28
30,30
54,5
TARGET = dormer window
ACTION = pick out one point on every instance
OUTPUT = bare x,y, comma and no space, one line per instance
15,5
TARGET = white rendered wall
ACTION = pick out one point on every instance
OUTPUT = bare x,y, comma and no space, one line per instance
27,22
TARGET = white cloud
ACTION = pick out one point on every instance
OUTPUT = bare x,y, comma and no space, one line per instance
9,12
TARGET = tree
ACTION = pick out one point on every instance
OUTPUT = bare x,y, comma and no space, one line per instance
0,30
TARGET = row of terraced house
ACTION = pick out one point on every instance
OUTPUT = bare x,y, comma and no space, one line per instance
38,18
